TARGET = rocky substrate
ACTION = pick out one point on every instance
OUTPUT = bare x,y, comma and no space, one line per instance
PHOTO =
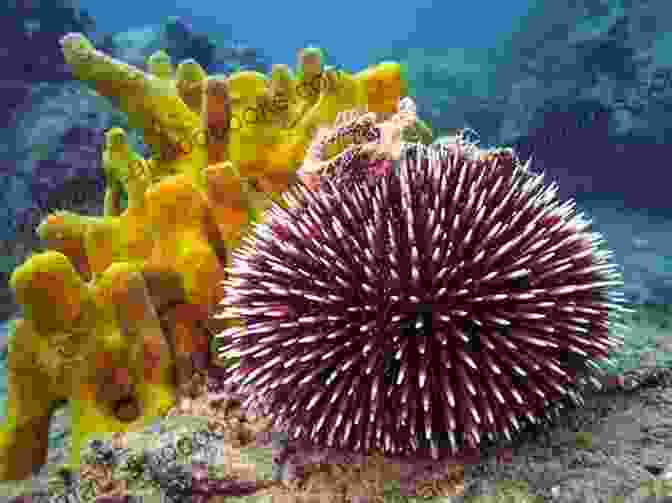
618,444
618,448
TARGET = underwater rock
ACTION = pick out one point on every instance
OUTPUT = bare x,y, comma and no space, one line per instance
181,42
585,90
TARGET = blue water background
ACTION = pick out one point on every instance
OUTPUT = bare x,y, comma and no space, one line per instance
351,30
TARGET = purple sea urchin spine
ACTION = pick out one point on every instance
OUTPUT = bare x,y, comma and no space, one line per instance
447,301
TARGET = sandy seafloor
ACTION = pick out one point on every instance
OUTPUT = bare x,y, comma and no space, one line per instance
631,433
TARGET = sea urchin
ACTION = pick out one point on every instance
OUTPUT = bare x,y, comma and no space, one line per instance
450,300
